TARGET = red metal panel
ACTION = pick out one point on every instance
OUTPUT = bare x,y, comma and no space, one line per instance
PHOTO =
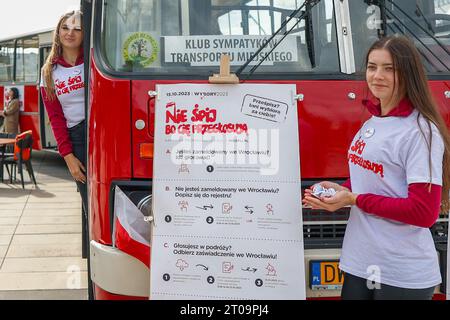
328,120
101,294
99,230
31,98
142,109
109,146
31,122
439,88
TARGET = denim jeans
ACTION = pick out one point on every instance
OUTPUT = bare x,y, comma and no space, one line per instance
356,288
77,136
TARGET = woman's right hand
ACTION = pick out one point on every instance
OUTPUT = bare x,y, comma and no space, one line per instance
327,185
342,198
76,168
314,202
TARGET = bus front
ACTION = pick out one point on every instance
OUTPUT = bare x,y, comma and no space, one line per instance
137,44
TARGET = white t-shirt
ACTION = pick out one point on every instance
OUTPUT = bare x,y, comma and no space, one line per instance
387,155
69,87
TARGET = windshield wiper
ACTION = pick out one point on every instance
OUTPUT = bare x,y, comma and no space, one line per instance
399,30
394,17
419,13
311,4
309,33
417,24
419,40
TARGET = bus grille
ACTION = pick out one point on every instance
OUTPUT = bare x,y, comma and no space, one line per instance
325,230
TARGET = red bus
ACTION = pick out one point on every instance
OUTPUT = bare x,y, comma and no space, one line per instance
21,59
137,44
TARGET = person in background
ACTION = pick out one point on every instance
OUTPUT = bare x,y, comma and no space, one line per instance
11,112
399,182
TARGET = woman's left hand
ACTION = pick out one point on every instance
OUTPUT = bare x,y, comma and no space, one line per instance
76,168
339,200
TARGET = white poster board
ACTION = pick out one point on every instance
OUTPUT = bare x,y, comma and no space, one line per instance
6,99
227,193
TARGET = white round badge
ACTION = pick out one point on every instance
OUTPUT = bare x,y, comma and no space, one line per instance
369,133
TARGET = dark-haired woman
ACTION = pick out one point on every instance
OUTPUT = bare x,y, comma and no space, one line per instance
11,112
399,182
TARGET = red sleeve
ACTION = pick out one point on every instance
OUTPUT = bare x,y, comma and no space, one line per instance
420,209
58,123
347,184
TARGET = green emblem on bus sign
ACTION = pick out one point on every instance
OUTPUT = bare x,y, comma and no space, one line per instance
140,48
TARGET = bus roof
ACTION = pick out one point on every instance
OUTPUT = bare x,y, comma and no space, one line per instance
28,34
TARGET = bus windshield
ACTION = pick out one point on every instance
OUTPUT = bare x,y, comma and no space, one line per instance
188,37
172,36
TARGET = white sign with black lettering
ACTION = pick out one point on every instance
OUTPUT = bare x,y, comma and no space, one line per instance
207,50
264,108
227,193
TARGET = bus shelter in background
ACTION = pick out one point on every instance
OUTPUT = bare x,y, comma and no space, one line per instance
21,59
139,44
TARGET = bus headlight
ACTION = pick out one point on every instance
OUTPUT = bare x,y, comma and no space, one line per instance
145,206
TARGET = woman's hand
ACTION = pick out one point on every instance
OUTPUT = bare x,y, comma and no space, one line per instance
339,200
327,185
76,168
342,198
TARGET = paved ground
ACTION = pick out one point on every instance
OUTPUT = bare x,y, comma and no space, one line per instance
40,235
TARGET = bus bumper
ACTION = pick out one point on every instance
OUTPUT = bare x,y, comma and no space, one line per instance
118,273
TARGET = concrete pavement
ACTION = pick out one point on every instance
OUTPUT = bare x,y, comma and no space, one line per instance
40,235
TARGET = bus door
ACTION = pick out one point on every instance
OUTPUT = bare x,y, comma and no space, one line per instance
47,138
6,71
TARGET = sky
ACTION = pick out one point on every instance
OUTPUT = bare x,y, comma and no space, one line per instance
26,16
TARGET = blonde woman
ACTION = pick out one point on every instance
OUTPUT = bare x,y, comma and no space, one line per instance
62,90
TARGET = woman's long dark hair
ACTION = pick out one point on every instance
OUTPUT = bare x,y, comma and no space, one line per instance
413,83
15,92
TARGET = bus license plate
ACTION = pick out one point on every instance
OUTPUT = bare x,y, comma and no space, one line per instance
325,275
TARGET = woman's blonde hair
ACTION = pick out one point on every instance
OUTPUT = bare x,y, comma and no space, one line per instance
55,54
